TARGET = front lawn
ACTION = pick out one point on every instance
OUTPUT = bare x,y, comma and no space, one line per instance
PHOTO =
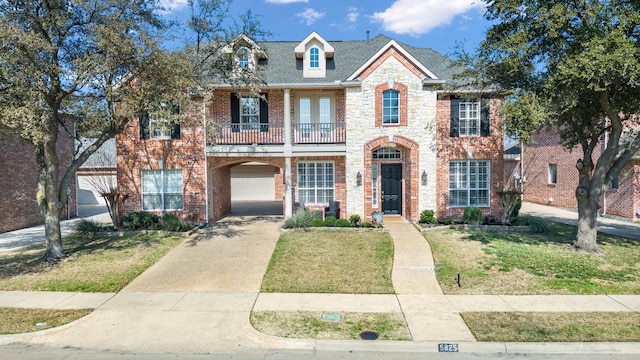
347,262
514,263
91,265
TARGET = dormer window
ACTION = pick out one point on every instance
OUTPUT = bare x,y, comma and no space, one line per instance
314,58
243,58
315,52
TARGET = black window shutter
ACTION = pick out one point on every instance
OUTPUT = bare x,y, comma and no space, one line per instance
454,130
175,125
144,125
235,112
484,117
264,114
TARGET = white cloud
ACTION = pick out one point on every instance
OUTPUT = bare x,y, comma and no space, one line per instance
310,16
416,17
285,1
353,14
170,5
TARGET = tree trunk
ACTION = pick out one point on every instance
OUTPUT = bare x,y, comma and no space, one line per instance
53,237
586,238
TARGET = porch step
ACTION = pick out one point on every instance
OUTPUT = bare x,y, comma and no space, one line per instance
392,218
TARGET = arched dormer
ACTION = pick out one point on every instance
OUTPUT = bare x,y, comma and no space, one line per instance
314,52
245,51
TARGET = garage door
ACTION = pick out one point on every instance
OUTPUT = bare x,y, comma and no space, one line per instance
252,182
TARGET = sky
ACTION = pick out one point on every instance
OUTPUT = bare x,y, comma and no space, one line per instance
441,25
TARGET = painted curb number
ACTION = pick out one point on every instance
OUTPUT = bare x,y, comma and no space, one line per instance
447,347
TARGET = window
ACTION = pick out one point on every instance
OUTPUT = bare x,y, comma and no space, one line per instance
315,182
159,126
249,113
391,107
314,58
553,174
615,183
162,190
315,113
387,154
469,183
162,124
374,186
469,117
243,58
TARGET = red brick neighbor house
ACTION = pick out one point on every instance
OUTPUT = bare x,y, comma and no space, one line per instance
19,182
551,177
369,124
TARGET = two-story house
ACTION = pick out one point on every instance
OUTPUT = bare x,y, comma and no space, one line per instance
367,123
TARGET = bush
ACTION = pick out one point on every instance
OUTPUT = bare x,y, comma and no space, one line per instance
354,220
472,215
343,223
535,224
317,222
427,217
171,222
330,221
366,224
86,227
516,209
300,219
141,220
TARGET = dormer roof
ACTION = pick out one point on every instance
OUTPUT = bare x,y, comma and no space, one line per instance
243,40
301,48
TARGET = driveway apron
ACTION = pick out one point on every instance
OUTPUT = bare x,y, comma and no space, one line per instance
196,299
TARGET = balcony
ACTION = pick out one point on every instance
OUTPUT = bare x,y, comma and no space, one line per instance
269,134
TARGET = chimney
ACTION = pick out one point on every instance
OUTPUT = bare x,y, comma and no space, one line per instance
367,35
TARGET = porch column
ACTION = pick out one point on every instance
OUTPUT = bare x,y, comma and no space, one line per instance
288,152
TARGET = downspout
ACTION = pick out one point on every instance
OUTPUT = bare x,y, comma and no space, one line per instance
522,167
604,196
206,162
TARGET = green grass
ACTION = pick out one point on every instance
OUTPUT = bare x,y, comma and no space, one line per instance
495,262
91,265
310,325
554,327
17,321
349,262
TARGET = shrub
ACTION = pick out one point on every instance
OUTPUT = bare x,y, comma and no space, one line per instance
427,217
86,227
140,220
343,223
366,224
330,221
171,222
354,220
299,219
516,209
472,215
535,224
317,222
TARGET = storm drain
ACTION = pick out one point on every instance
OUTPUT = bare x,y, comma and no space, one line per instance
369,335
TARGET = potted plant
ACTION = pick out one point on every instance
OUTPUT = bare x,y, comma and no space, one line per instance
377,216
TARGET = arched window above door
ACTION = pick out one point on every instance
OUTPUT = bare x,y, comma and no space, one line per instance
387,154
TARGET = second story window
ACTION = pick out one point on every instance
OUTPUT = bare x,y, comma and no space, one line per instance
390,107
159,126
162,124
314,58
243,58
470,117
249,113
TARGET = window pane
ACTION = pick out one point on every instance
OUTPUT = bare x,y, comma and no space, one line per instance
325,110
173,202
151,202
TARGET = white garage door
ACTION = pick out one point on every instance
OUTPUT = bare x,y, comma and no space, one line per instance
253,182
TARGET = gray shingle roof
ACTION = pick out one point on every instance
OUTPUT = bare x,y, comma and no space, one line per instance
282,67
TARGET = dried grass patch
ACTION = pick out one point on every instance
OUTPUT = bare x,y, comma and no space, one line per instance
554,327
17,321
310,325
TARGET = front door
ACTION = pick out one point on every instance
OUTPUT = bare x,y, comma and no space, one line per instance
392,189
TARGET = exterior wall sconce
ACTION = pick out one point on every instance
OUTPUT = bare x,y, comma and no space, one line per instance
358,179
424,177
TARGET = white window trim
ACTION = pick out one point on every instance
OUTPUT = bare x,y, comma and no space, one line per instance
375,174
395,121
467,120
316,188
249,121
163,191
467,187
314,63
159,126
243,64
551,179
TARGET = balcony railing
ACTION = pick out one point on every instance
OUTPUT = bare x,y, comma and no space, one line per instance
269,134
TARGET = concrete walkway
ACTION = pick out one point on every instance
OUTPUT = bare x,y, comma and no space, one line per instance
197,299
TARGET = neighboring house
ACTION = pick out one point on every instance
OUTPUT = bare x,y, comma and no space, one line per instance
551,177
366,123
19,182
96,174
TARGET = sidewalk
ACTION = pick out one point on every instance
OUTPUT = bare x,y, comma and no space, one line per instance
197,299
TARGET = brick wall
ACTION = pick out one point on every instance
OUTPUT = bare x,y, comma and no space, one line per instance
544,149
186,153
19,179
456,148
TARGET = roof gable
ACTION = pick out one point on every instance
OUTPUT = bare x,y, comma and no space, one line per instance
315,38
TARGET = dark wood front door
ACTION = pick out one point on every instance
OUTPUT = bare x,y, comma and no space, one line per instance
392,189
